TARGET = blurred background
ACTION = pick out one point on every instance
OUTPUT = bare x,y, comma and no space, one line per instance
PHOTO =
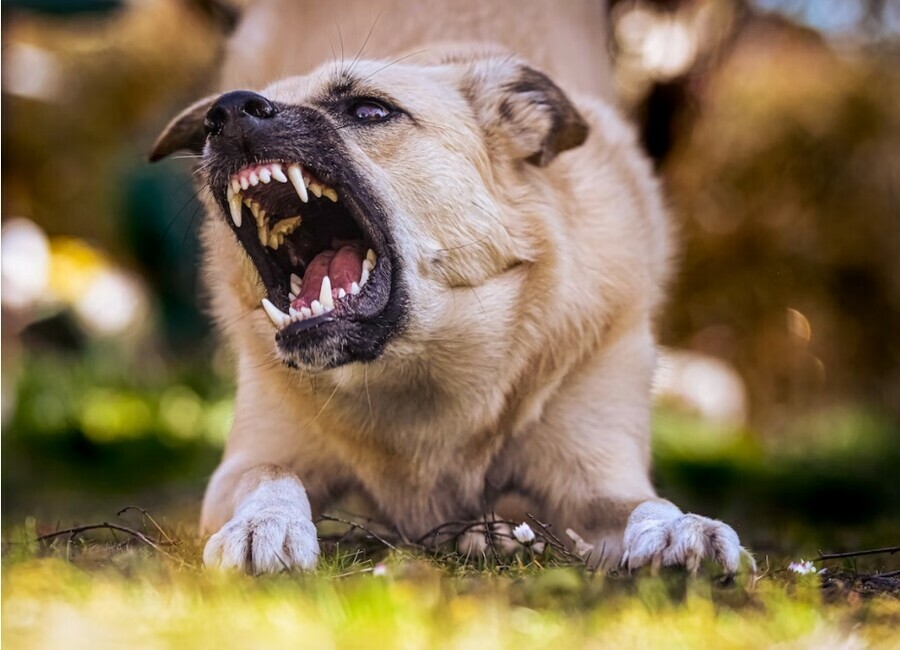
774,123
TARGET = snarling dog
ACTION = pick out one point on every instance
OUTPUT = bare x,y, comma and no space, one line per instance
438,278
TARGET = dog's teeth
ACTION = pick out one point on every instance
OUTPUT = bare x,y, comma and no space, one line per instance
254,209
296,283
244,183
325,294
364,276
368,265
295,173
292,296
261,219
354,288
316,308
253,179
316,189
331,194
235,185
273,241
294,313
286,226
234,206
265,175
370,255
342,293
278,175
306,311
278,317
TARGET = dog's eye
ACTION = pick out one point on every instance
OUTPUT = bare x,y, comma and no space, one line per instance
368,111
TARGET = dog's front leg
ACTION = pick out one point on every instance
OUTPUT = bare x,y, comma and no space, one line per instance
271,527
589,460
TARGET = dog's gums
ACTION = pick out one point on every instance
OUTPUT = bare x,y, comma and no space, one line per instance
323,256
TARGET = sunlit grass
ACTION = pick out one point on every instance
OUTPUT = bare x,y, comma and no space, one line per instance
134,597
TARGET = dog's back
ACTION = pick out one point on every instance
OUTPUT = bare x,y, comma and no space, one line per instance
280,38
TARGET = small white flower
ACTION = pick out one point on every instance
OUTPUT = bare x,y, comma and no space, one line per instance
379,569
523,534
803,567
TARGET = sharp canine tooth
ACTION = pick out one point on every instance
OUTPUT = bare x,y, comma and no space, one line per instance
342,293
254,208
364,276
278,175
316,308
244,183
316,189
234,206
296,176
354,288
273,241
367,265
370,255
277,316
296,283
325,294
331,194
265,175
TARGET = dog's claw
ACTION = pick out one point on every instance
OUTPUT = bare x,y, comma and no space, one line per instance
681,540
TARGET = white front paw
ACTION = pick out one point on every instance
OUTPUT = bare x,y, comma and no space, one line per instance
271,530
659,534
274,538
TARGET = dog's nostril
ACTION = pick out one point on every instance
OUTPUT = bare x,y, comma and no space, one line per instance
259,107
215,120
235,107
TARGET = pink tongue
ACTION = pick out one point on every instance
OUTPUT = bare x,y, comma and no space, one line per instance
343,267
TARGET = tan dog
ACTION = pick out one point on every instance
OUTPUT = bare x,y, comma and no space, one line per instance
439,278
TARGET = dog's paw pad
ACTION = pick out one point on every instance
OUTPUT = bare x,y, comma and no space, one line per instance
685,540
268,541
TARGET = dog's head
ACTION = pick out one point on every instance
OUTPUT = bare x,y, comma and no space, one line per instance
364,195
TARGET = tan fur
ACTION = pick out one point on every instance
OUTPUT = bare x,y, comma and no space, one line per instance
528,356
281,38
550,284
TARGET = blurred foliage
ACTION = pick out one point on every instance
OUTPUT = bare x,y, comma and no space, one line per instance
785,177
94,429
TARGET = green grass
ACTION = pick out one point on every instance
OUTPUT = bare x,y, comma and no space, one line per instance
105,595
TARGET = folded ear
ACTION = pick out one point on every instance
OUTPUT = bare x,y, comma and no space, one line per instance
185,132
523,111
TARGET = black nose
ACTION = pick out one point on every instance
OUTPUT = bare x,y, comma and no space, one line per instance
236,108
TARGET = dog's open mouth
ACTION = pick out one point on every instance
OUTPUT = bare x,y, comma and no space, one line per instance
312,244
